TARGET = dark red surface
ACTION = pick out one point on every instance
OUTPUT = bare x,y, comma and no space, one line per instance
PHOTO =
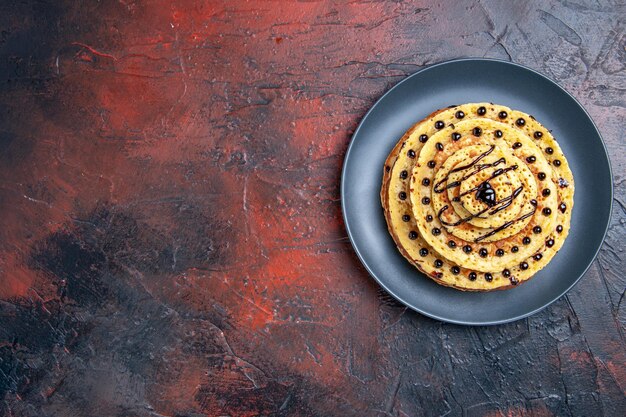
171,241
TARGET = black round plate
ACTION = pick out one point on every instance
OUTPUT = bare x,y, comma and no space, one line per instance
457,82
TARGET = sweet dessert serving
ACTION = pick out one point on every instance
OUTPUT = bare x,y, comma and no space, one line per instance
478,196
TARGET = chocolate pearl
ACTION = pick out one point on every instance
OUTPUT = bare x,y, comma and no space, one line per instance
526,241
404,175
411,153
402,195
520,122
436,231
503,114
531,159
541,176
556,163
517,145
426,182
513,280
549,151
456,136
425,200
538,135
431,164
439,124
477,131
438,263
514,249
550,242
472,276
546,211
423,138
467,249
481,111
483,252
488,277
545,192
559,228
439,146
387,168
459,114
537,230
406,218
537,257
499,252
455,270
424,252
506,273
523,266
429,218
498,133
412,235
452,244
562,207
438,275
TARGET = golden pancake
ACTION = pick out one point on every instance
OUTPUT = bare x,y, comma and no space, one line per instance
478,196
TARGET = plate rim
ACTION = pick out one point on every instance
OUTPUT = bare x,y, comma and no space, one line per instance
399,297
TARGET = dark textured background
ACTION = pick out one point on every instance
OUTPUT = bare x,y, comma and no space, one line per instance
171,241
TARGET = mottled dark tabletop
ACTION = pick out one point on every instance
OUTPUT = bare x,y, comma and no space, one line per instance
171,239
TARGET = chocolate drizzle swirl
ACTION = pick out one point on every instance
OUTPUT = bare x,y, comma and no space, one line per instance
496,173
506,225
471,164
495,206
504,203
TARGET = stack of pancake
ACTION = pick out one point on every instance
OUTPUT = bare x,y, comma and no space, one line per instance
478,196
